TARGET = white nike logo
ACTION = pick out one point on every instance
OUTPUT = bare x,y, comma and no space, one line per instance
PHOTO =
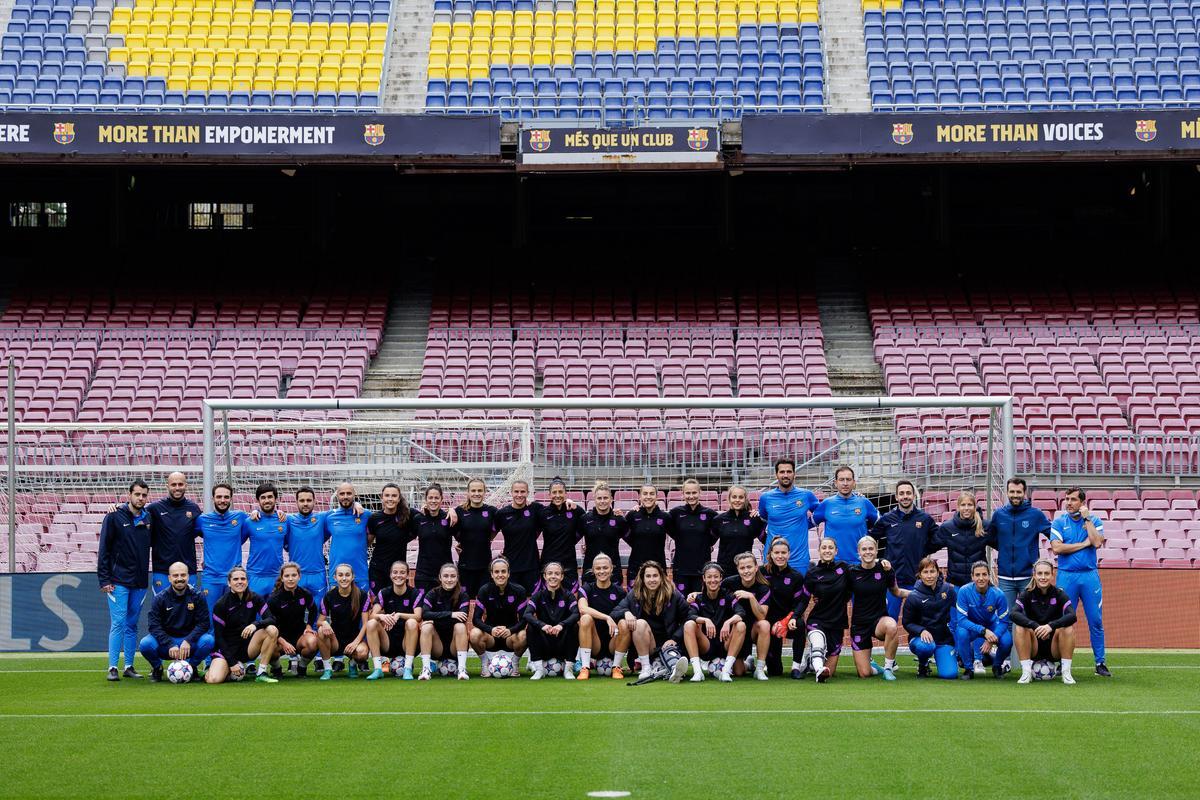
170,608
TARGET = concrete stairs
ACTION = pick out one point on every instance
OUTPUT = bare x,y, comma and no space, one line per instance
846,86
408,57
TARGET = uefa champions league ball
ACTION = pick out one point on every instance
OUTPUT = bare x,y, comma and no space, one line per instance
398,665
604,666
715,666
237,676
502,665
179,672
1043,670
554,667
448,668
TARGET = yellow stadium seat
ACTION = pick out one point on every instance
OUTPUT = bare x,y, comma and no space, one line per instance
605,43
625,43
285,85
307,72
118,54
118,28
201,18
436,72
305,85
141,15
137,69
257,42
156,41
177,84
266,84
372,74
352,59
328,72
277,41
199,70
347,85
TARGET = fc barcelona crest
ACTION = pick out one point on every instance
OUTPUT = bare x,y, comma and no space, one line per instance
373,134
1145,130
902,132
698,138
539,140
64,132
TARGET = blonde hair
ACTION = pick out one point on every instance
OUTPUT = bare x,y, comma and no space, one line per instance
466,503
1029,587
967,494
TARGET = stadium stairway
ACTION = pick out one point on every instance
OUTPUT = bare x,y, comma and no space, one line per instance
408,57
853,371
846,87
396,370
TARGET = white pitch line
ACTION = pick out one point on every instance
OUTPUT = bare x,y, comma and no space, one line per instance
101,671
630,712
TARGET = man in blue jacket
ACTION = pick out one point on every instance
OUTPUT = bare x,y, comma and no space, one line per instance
179,625
904,535
1074,537
173,531
122,566
787,510
1016,528
983,624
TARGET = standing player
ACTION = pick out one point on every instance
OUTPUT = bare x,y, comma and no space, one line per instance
788,511
965,540
600,634
224,530
1044,620
435,538
1074,537
475,531
828,582
929,619
267,532
649,526
655,614
983,624
341,624
904,535
294,610
602,531
561,531
173,531
520,522
693,535
121,567
395,624
179,625
847,515
243,630
1016,527
872,580
715,628
499,623
736,530
552,623
346,529
752,589
388,531
305,543
445,612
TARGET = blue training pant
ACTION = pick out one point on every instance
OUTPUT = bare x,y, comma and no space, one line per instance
1083,589
968,646
155,652
315,583
262,585
942,654
894,604
160,580
124,609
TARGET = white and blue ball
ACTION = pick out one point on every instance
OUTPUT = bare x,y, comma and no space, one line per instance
398,664
179,672
554,666
502,665
604,666
1043,670
448,668
715,666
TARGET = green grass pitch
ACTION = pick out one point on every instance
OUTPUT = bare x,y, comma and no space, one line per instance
66,732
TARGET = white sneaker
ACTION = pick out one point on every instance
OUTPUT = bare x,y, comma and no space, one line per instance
424,676
760,674
568,671
1068,679
1026,677
463,676
724,677
977,668
697,676
679,670
538,674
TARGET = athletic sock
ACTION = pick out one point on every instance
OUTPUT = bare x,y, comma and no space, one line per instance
1066,666
1026,666
889,663
727,667
618,658
462,661
585,657
536,666
426,662
261,669
378,661
696,665
643,663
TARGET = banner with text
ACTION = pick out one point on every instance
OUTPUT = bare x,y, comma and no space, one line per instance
1142,130
233,135
646,145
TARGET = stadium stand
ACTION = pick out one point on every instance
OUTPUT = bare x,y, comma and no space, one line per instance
148,54
621,60
973,55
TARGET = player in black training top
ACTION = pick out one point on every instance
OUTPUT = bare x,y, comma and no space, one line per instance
445,612
341,625
871,581
787,594
499,621
435,533
520,524
752,592
655,613
600,634
602,531
294,609
828,581
693,535
552,620
560,532
476,529
737,529
244,630
388,531
716,628
1044,624
649,526
395,623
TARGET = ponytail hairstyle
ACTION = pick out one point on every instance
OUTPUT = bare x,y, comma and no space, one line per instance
355,592
234,571
466,503
1032,585
557,481
778,541
402,510
279,579
458,587
759,580
652,602
967,494
602,486
712,565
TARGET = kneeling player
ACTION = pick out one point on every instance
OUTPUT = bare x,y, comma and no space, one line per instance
445,610
927,616
871,583
827,581
341,625
395,623
499,624
552,619
244,630
1045,624
600,635
716,628
754,591
655,613
293,608
983,625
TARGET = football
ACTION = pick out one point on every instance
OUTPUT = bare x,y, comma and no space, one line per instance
715,666
502,665
604,666
448,667
554,666
1043,670
179,672
398,666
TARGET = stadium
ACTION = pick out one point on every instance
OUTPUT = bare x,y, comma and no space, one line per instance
637,285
